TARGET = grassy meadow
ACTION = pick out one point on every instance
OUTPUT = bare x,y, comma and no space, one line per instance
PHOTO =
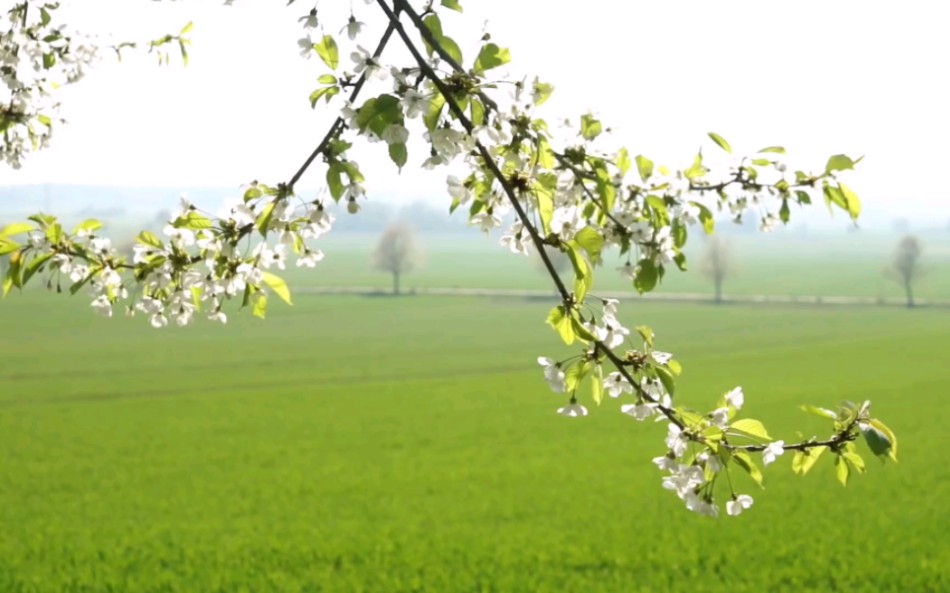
410,444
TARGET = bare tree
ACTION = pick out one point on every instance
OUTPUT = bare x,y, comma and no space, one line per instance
905,268
396,252
717,263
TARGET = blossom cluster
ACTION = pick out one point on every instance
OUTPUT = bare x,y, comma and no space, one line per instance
36,58
199,262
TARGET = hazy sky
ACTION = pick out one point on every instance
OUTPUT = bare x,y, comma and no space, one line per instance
819,77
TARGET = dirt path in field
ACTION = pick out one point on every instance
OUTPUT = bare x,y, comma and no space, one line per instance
667,297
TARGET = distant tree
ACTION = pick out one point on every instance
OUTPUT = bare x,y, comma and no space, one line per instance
396,252
717,263
905,268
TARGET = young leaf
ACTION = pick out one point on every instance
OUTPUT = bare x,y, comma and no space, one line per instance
453,4
278,285
803,461
751,427
775,149
590,127
328,52
839,162
851,200
561,322
644,167
721,142
399,154
842,469
824,413
491,56
647,276
16,228
591,241
260,305
597,384
744,461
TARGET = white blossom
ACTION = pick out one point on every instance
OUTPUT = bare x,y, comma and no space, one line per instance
573,410
773,450
553,374
675,440
738,504
616,384
735,398
102,305
309,258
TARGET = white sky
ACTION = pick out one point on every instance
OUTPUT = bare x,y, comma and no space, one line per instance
817,76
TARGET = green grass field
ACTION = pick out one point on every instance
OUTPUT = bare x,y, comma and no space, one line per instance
378,444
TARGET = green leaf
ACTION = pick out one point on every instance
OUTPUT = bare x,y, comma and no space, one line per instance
856,461
451,48
561,322
12,277
824,413
834,196
666,378
17,228
278,285
647,334
327,79
477,111
8,246
697,169
453,4
784,213
379,113
328,52
491,56
90,225
574,374
705,218
852,201
148,238
54,233
260,305
839,162
399,154
335,181
264,218
597,384
878,441
541,91
34,266
721,142
186,29
192,221
842,470
752,428
803,461
803,197
545,199
327,93
647,276
583,279
775,149
590,127
744,460
622,161
431,118
591,241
